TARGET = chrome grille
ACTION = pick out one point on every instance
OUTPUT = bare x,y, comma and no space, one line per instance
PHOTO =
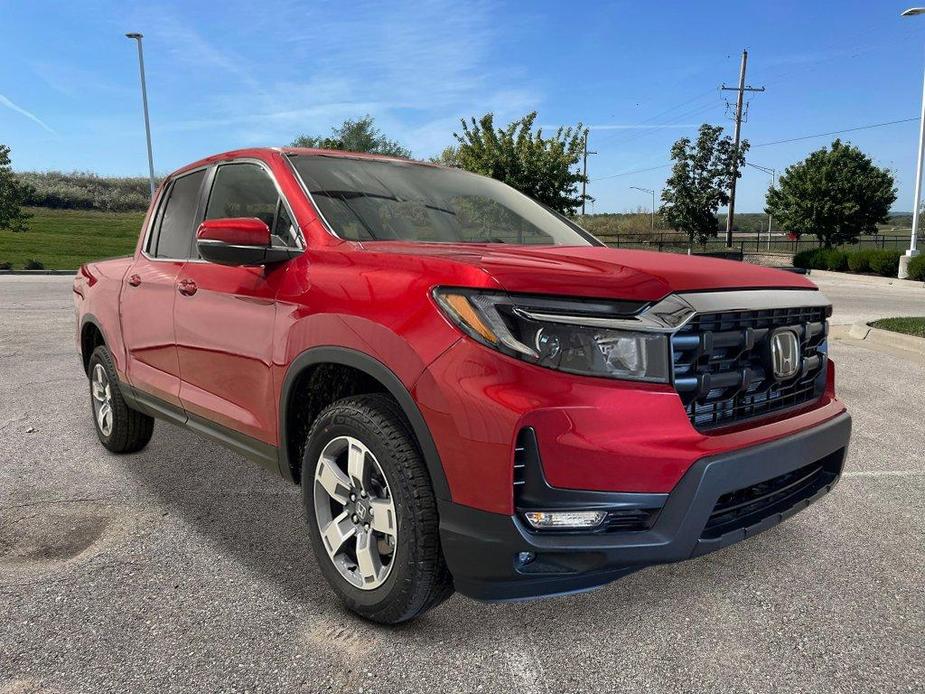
722,368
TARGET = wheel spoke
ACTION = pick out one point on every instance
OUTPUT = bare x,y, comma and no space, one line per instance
98,384
383,519
356,464
103,415
337,532
369,563
333,480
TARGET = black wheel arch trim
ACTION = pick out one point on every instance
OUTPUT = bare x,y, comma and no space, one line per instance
382,373
89,318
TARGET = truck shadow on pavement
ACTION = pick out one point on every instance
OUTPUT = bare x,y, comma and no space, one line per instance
255,517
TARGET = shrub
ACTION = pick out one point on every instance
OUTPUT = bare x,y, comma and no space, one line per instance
6,266
33,264
835,260
917,268
859,261
80,190
885,263
810,259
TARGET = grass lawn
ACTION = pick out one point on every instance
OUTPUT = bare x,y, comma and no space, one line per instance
63,239
909,326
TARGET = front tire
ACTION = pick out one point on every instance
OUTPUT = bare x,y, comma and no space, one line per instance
119,428
371,511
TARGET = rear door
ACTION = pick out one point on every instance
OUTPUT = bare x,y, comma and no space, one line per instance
224,317
150,289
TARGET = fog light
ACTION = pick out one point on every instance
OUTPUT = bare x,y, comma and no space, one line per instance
564,520
525,557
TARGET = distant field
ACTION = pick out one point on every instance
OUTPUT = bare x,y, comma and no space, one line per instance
63,239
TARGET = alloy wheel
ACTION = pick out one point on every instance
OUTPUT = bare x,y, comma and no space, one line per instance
355,512
102,399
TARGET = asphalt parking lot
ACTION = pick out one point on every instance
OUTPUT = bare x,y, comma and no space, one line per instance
185,568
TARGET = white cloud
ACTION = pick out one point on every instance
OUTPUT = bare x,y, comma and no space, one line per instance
417,67
28,114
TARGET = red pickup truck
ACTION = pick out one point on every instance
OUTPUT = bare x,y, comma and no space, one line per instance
472,391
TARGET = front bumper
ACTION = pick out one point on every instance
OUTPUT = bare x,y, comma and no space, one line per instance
482,548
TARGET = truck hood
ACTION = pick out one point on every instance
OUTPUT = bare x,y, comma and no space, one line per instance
595,271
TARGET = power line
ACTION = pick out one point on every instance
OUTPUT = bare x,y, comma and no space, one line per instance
654,131
629,173
660,126
670,109
837,132
775,142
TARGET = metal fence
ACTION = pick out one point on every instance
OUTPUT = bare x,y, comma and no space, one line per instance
747,244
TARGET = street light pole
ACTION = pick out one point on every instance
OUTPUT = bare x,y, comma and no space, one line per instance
912,252
646,190
144,101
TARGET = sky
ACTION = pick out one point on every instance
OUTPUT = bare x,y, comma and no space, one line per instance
639,74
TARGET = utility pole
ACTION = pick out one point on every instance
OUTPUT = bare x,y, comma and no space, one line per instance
144,101
584,175
647,190
773,174
741,89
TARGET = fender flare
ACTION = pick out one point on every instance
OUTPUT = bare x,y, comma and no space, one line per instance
94,321
384,375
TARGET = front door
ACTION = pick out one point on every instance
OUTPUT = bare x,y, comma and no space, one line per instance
150,289
224,316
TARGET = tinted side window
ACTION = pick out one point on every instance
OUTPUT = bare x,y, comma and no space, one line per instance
284,233
243,190
178,222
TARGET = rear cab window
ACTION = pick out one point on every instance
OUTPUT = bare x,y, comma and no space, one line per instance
176,220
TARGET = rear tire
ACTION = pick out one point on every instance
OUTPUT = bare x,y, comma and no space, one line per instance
119,428
385,571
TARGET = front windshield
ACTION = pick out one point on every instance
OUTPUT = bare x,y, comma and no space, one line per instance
375,200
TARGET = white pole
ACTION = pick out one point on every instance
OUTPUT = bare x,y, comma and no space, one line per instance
144,101
918,175
912,252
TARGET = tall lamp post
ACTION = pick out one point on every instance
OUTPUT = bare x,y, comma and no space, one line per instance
646,190
912,252
144,101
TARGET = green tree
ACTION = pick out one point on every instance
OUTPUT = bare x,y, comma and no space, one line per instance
835,193
12,194
699,181
356,136
542,167
448,157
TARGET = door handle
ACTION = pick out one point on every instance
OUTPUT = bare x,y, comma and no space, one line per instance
134,280
187,287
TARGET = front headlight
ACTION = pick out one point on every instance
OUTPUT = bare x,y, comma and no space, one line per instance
567,335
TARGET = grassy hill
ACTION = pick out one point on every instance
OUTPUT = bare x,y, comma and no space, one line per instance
63,239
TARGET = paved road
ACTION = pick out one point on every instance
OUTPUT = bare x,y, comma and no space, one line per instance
866,298
184,568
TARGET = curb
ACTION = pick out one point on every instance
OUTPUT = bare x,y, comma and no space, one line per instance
910,343
876,280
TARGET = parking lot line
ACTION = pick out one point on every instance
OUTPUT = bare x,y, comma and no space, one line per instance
884,473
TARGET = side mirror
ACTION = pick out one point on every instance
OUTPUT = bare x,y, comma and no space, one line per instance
239,241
